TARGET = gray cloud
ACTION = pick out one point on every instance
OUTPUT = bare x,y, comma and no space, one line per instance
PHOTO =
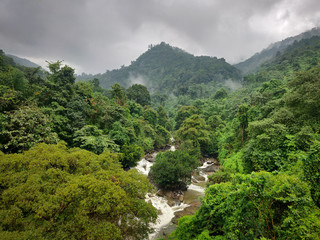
95,35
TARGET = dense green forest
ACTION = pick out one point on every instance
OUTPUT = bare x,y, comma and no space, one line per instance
167,70
67,146
77,172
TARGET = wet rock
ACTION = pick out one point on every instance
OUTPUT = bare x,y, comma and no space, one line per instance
160,193
187,211
171,203
197,178
150,157
181,198
211,168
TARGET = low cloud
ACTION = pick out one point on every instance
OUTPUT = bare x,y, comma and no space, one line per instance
96,35
137,79
232,85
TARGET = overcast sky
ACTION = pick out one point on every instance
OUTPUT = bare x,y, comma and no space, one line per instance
95,35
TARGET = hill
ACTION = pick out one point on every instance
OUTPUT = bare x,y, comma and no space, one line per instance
300,56
168,69
23,61
254,63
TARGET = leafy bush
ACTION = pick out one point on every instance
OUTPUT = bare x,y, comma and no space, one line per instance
255,206
172,170
132,153
51,192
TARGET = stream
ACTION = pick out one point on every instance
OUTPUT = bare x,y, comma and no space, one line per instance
170,210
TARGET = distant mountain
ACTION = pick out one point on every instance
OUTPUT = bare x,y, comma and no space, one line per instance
300,56
254,63
23,61
169,69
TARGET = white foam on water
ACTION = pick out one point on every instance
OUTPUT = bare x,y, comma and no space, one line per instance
166,213
144,166
196,188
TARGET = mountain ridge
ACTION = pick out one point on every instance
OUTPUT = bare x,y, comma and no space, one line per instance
253,64
172,70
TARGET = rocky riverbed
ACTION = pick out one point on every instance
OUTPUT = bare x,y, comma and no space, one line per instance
174,204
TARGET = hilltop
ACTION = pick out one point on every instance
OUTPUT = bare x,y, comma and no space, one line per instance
168,69
254,63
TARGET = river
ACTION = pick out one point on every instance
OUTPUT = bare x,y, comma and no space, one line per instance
167,208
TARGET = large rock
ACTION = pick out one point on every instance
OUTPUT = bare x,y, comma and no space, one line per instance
211,168
197,178
187,211
150,157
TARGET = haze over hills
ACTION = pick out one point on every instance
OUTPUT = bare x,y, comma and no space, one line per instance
169,69
23,61
254,63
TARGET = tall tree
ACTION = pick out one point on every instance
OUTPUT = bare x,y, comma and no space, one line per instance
140,94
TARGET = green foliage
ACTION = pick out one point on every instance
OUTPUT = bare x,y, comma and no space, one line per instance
184,113
163,119
266,149
51,192
118,94
120,134
311,169
136,110
303,98
139,94
92,139
220,93
243,119
131,155
170,70
172,170
25,127
194,128
260,205
162,137
151,115
221,176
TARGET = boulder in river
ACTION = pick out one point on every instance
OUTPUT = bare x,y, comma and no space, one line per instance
150,157
187,211
211,168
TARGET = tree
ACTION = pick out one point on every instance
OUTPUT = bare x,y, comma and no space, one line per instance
183,113
118,94
162,137
92,139
140,94
163,118
311,170
132,154
195,129
120,134
243,119
24,128
62,80
51,192
172,170
256,206
266,149
220,93
151,115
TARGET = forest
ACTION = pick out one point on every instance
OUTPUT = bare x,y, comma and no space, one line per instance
69,144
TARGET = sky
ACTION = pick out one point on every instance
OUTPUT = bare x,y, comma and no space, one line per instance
93,36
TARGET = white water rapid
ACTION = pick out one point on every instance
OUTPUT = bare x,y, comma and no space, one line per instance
161,203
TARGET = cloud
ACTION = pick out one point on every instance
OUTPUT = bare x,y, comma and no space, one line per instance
96,35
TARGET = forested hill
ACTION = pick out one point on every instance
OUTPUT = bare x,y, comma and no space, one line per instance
23,61
170,70
300,56
254,63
